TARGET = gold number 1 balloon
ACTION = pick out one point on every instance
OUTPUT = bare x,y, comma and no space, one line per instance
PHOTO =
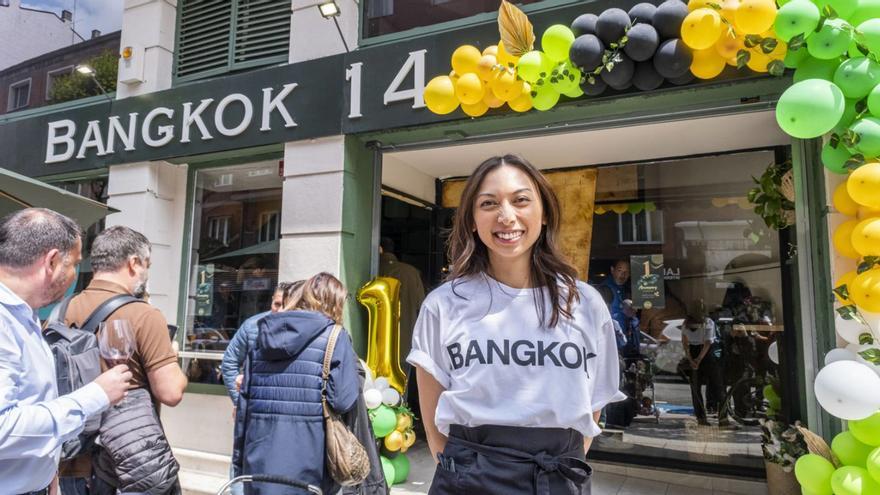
381,296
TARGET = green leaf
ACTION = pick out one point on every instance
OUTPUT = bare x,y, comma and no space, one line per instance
829,12
862,106
613,45
609,66
752,40
768,45
855,161
834,140
851,138
866,339
797,42
776,68
871,355
867,263
848,312
843,292
623,40
713,5
821,23
754,238
591,79
742,58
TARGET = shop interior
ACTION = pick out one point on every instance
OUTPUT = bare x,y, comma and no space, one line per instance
668,202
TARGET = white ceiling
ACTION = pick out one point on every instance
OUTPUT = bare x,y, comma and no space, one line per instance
413,172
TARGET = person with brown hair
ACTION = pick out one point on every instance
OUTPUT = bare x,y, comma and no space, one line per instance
515,357
280,401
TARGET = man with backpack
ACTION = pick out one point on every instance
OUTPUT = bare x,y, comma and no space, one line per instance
120,259
39,252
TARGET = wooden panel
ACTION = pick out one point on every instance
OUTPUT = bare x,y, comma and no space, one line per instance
577,191
618,183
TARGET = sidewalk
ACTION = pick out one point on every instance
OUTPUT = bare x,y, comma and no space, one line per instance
607,480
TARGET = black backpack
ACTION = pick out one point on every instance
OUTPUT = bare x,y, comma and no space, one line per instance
78,360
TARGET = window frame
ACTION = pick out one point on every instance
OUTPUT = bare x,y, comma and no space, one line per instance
223,220
63,71
649,240
270,236
12,88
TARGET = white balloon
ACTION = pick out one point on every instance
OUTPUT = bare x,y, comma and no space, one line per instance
367,369
390,397
849,330
368,382
835,355
773,352
856,349
373,398
848,390
381,383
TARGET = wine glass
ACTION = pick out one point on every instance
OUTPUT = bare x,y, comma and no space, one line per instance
116,341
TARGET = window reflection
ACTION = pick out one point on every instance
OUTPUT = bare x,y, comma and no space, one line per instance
392,16
696,304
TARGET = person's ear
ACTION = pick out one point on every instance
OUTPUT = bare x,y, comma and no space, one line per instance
52,259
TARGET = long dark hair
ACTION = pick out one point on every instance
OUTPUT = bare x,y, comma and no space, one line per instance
549,268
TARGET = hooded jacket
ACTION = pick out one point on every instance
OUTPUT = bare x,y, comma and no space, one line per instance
280,424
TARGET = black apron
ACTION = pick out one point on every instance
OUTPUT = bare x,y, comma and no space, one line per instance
512,460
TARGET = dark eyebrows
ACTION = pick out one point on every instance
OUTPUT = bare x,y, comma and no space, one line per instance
525,189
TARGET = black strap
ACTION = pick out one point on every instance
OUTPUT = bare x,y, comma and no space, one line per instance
106,309
59,311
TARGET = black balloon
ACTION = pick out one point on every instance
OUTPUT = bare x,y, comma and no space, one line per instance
673,59
584,24
687,78
646,77
668,18
612,25
642,12
642,42
596,88
622,87
621,74
586,52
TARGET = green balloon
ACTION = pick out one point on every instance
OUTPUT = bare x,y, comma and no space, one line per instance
849,116
544,97
796,17
794,58
556,42
843,8
810,108
856,77
770,392
831,41
873,464
384,420
533,66
868,9
401,468
867,430
577,92
565,77
814,68
868,130
387,470
874,101
853,480
850,451
835,159
814,472
870,30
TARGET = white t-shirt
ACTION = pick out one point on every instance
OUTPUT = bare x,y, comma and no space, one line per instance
484,343
702,333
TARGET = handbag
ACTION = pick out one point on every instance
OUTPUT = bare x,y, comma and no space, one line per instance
347,460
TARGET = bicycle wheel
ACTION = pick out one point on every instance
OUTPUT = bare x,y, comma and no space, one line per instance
744,401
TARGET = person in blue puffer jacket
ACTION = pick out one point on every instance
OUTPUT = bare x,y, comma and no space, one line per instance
279,426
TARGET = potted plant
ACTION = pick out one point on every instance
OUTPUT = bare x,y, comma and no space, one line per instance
782,444
773,196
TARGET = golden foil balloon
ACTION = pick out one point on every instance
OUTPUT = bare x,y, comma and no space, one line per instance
381,296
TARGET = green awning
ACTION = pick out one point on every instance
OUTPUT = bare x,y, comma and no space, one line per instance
268,247
18,192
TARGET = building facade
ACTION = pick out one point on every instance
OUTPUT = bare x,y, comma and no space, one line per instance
32,32
254,142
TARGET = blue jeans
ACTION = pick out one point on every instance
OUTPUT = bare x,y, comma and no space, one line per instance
73,486
236,489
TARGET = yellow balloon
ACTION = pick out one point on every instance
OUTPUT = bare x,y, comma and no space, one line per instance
453,75
469,89
440,95
867,212
620,209
465,59
702,28
728,45
491,50
863,185
707,63
381,296
491,100
728,10
866,237
505,58
522,103
842,239
843,203
475,110
506,86
486,67
754,16
698,4
865,290
846,279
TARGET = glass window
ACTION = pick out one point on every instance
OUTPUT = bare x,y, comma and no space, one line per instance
19,95
53,76
392,16
680,230
95,189
234,263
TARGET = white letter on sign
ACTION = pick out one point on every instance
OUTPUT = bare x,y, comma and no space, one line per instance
191,117
353,74
92,139
415,62
276,103
245,119
66,139
165,131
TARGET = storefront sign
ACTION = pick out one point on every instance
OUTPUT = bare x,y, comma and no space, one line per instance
648,288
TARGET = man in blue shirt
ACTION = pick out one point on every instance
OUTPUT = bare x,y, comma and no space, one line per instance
617,283
39,252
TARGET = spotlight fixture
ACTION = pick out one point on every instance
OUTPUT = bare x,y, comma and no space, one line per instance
329,9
